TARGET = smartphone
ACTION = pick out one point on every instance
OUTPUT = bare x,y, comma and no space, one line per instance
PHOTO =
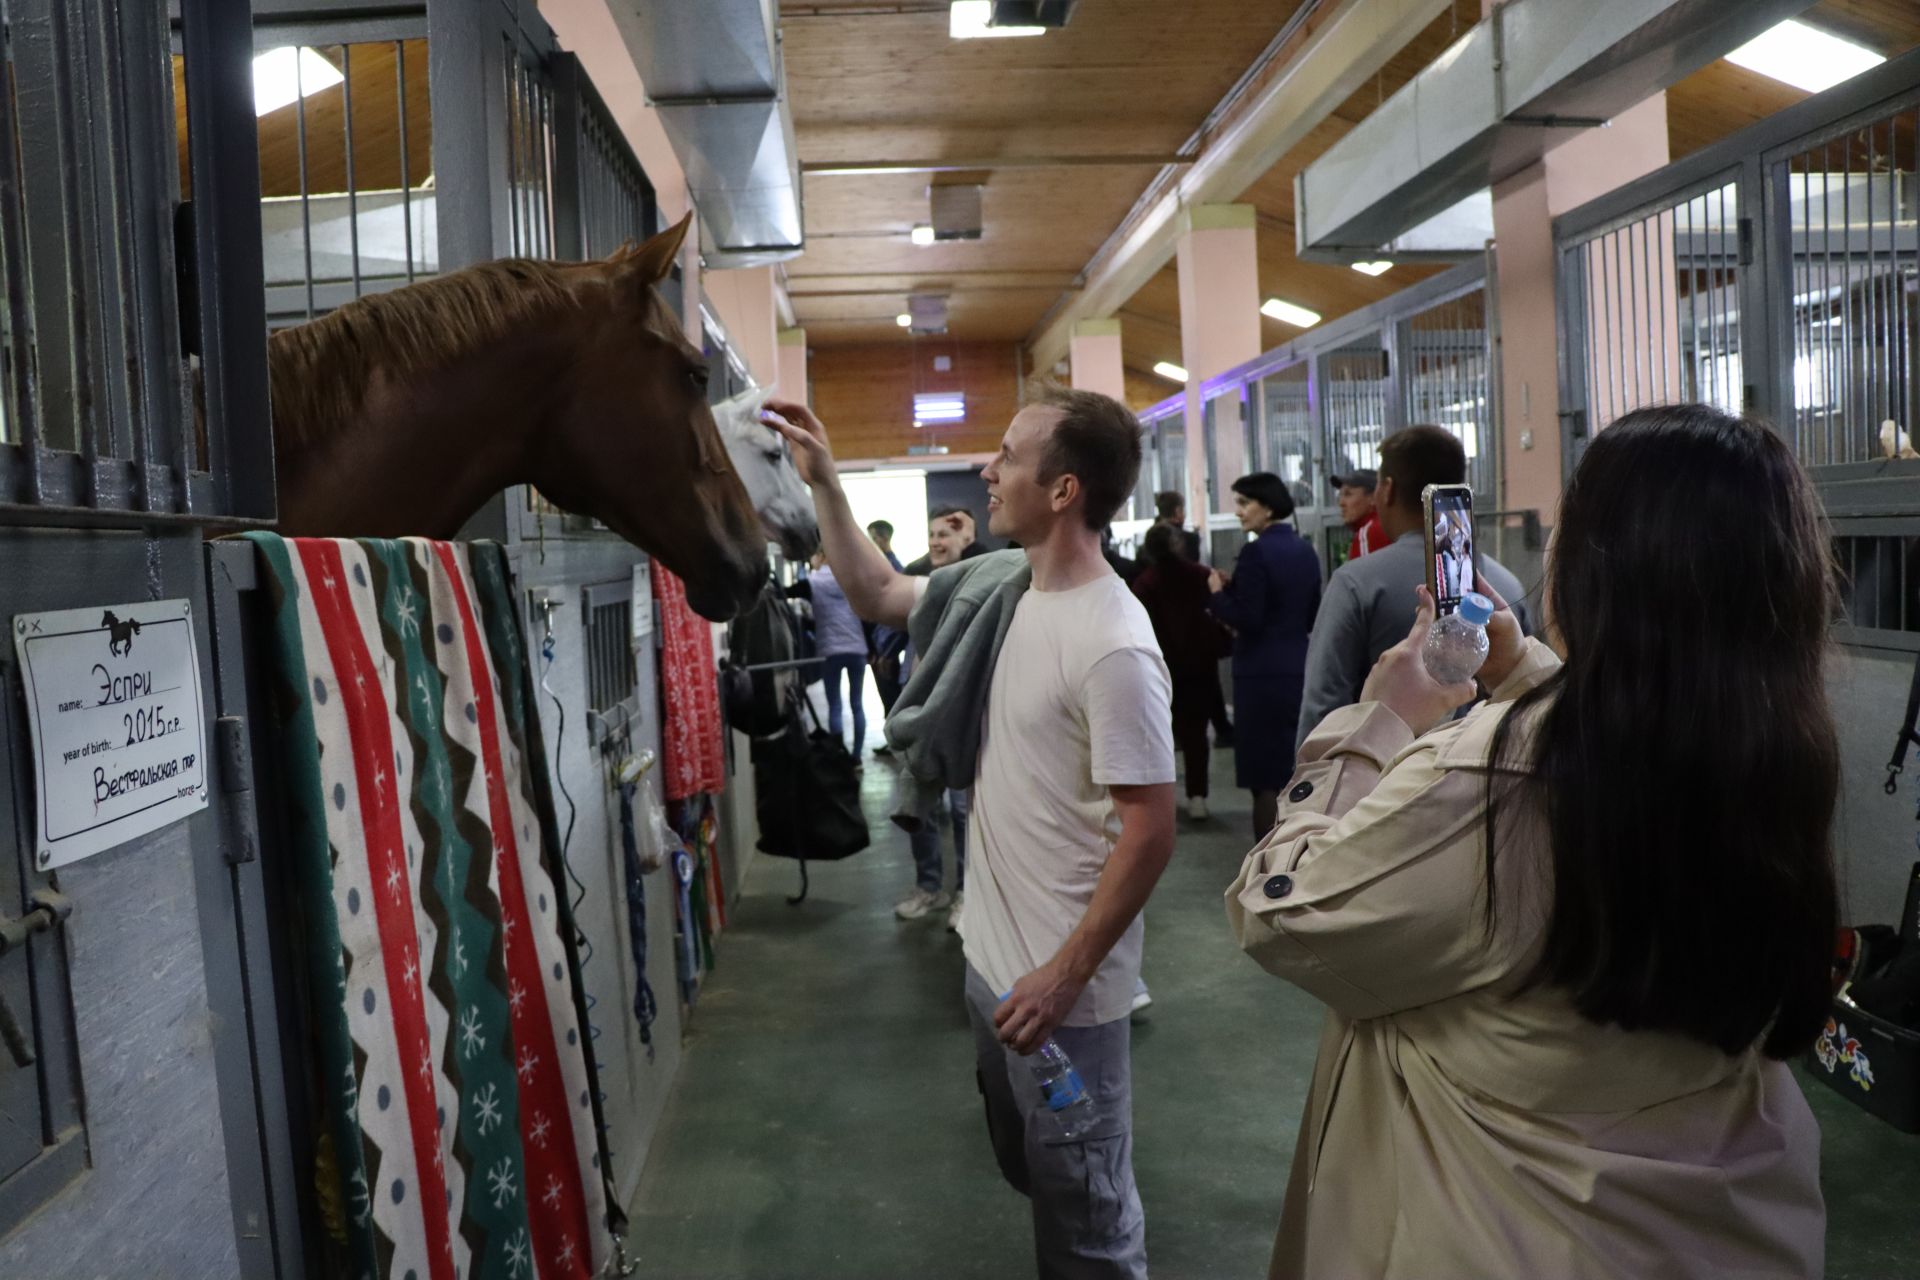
1451,562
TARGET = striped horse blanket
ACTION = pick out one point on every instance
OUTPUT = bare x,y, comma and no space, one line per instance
456,1128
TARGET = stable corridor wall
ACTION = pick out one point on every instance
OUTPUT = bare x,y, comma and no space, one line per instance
865,394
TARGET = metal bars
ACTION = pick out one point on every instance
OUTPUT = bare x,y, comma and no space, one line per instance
97,420
1853,263
1656,297
1447,376
1288,440
1355,382
610,676
602,199
529,99
347,199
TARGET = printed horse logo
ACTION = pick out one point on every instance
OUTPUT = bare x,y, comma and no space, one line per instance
119,634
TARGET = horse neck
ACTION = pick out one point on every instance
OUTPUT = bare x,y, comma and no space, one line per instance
424,454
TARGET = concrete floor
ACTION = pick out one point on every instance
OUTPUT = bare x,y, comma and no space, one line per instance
826,1125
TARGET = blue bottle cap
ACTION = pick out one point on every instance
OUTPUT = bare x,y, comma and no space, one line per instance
1476,608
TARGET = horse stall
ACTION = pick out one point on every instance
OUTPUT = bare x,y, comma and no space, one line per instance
135,1129
157,959
459,133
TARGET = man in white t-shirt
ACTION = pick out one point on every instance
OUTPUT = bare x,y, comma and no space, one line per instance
1073,814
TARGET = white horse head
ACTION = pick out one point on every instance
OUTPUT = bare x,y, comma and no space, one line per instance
765,464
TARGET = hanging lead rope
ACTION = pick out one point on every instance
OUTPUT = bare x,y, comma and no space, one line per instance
645,1008
1909,735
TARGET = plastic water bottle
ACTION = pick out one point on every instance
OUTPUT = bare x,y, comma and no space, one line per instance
1062,1089
1066,1096
1457,645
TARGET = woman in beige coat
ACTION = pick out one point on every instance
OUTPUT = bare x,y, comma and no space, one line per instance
1588,1079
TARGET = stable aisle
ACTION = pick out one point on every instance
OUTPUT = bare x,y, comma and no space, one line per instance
825,1125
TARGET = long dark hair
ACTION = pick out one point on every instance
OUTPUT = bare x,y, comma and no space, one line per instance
1685,756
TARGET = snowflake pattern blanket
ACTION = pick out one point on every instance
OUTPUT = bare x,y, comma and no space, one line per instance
456,1128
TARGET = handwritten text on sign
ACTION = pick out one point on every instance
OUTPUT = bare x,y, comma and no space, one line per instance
113,699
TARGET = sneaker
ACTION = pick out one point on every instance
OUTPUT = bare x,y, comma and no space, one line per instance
953,912
919,903
883,751
1197,808
1142,998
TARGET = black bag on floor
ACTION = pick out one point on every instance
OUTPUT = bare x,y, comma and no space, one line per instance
807,793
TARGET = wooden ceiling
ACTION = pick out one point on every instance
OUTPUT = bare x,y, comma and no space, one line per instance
869,85
1125,77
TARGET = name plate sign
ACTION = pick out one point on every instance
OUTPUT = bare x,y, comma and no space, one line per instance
114,704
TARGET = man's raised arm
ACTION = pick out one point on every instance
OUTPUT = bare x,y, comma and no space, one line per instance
876,590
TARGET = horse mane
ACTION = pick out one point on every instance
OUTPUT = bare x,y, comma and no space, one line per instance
320,371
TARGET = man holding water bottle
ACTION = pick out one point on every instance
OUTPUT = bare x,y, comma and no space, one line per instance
1073,817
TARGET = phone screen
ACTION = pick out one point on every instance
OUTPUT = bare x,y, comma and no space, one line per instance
1450,544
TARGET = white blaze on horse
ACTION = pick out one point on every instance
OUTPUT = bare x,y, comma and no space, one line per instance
765,465
403,412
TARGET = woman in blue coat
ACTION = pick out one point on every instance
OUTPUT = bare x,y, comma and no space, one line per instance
1270,602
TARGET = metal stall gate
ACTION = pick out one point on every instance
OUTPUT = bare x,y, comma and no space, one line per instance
1321,406
1778,272
447,133
1775,273
132,415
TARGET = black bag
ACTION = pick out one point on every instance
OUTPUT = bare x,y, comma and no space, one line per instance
807,795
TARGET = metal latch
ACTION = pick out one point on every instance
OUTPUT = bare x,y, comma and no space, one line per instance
50,907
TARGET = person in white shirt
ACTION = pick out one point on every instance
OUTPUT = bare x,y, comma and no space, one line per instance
1073,815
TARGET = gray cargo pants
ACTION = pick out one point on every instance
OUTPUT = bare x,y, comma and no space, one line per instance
1087,1219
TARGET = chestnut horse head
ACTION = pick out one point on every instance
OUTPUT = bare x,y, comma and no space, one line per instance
403,412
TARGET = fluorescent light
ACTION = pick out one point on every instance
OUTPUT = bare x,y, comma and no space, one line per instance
1803,56
904,320
282,76
1379,268
1171,372
969,19
922,234
939,406
1289,313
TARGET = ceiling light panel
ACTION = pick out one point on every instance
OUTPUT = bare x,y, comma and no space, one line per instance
1803,56
1379,268
281,77
971,20
1290,313
1170,371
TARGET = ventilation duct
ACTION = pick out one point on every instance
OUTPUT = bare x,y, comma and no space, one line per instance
1032,13
712,68
1497,100
955,211
928,312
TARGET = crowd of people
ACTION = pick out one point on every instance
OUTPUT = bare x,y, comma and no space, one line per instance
1526,1068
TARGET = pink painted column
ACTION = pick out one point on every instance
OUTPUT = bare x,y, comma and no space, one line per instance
1524,206
1219,270
1094,351
793,366
744,301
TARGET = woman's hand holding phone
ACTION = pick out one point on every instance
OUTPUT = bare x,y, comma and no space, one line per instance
1400,682
1506,644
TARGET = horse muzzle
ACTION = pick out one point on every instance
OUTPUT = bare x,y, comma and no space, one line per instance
728,591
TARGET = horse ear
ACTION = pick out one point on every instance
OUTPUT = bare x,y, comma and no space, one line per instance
653,261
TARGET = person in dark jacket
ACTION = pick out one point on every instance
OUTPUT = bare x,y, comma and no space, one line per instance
1174,591
1270,602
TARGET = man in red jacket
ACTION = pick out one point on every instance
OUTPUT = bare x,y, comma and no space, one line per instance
1357,511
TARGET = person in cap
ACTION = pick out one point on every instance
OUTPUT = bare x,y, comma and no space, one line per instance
1359,512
